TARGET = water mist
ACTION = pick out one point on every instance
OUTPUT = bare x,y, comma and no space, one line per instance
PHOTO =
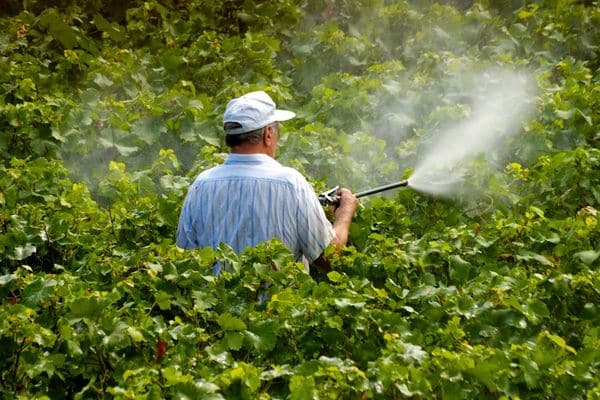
501,104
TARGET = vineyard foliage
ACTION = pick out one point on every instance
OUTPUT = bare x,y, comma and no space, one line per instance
108,109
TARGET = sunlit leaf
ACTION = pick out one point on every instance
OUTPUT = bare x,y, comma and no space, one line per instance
38,290
230,323
588,256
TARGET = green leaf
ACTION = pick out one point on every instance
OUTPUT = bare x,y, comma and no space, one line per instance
203,299
6,279
334,276
558,341
230,323
122,149
118,338
163,299
459,269
487,370
529,255
173,375
565,114
485,242
42,336
263,335
22,252
115,31
148,129
38,290
531,372
47,364
413,352
199,389
135,334
586,117
102,81
345,303
302,387
87,307
536,310
587,256
57,28
233,340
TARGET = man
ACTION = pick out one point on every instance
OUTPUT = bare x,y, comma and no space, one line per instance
252,198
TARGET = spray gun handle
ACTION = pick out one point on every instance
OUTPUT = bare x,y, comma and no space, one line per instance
330,197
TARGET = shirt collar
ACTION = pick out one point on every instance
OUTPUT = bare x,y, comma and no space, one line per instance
250,159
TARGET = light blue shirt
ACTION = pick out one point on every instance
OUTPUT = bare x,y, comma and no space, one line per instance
249,199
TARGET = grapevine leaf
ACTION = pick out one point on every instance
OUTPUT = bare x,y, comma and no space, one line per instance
345,302
163,299
587,256
122,149
203,300
47,364
103,81
334,276
117,338
263,335
564,114
233,340
6,279
58,29
38,290
22,252
459,269
558,341
148,129
230,323
528,256
302,387
115,31
87,307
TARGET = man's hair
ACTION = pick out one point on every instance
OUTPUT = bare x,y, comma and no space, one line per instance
253,137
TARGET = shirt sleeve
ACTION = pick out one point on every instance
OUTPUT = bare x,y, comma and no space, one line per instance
315,232
185,238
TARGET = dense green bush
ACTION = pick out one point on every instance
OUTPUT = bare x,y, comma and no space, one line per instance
109,109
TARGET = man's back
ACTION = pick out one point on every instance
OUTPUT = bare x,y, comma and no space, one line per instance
250,199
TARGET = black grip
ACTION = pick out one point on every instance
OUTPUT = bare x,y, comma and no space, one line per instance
329,200
330,197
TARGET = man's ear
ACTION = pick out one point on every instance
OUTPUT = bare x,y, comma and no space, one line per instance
268,136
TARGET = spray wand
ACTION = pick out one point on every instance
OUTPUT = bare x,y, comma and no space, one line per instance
331,198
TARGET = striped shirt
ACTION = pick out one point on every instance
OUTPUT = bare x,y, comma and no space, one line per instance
249,199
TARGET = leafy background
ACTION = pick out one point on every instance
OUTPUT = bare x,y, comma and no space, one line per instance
109,109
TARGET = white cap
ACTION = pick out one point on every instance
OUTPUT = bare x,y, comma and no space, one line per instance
253,111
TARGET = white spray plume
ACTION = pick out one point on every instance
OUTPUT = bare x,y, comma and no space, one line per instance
502,103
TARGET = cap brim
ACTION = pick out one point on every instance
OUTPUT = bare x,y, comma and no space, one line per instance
283,115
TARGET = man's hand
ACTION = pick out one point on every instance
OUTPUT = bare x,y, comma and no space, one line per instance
343,216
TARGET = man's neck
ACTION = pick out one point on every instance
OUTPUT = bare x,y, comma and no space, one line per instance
254,149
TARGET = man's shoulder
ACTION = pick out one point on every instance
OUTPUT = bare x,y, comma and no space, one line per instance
207,173
291,173
224,172
263,171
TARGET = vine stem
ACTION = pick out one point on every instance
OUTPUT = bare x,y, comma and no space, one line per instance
105,365
112,224
17,360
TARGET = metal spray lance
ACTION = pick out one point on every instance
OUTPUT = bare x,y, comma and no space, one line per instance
331,198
